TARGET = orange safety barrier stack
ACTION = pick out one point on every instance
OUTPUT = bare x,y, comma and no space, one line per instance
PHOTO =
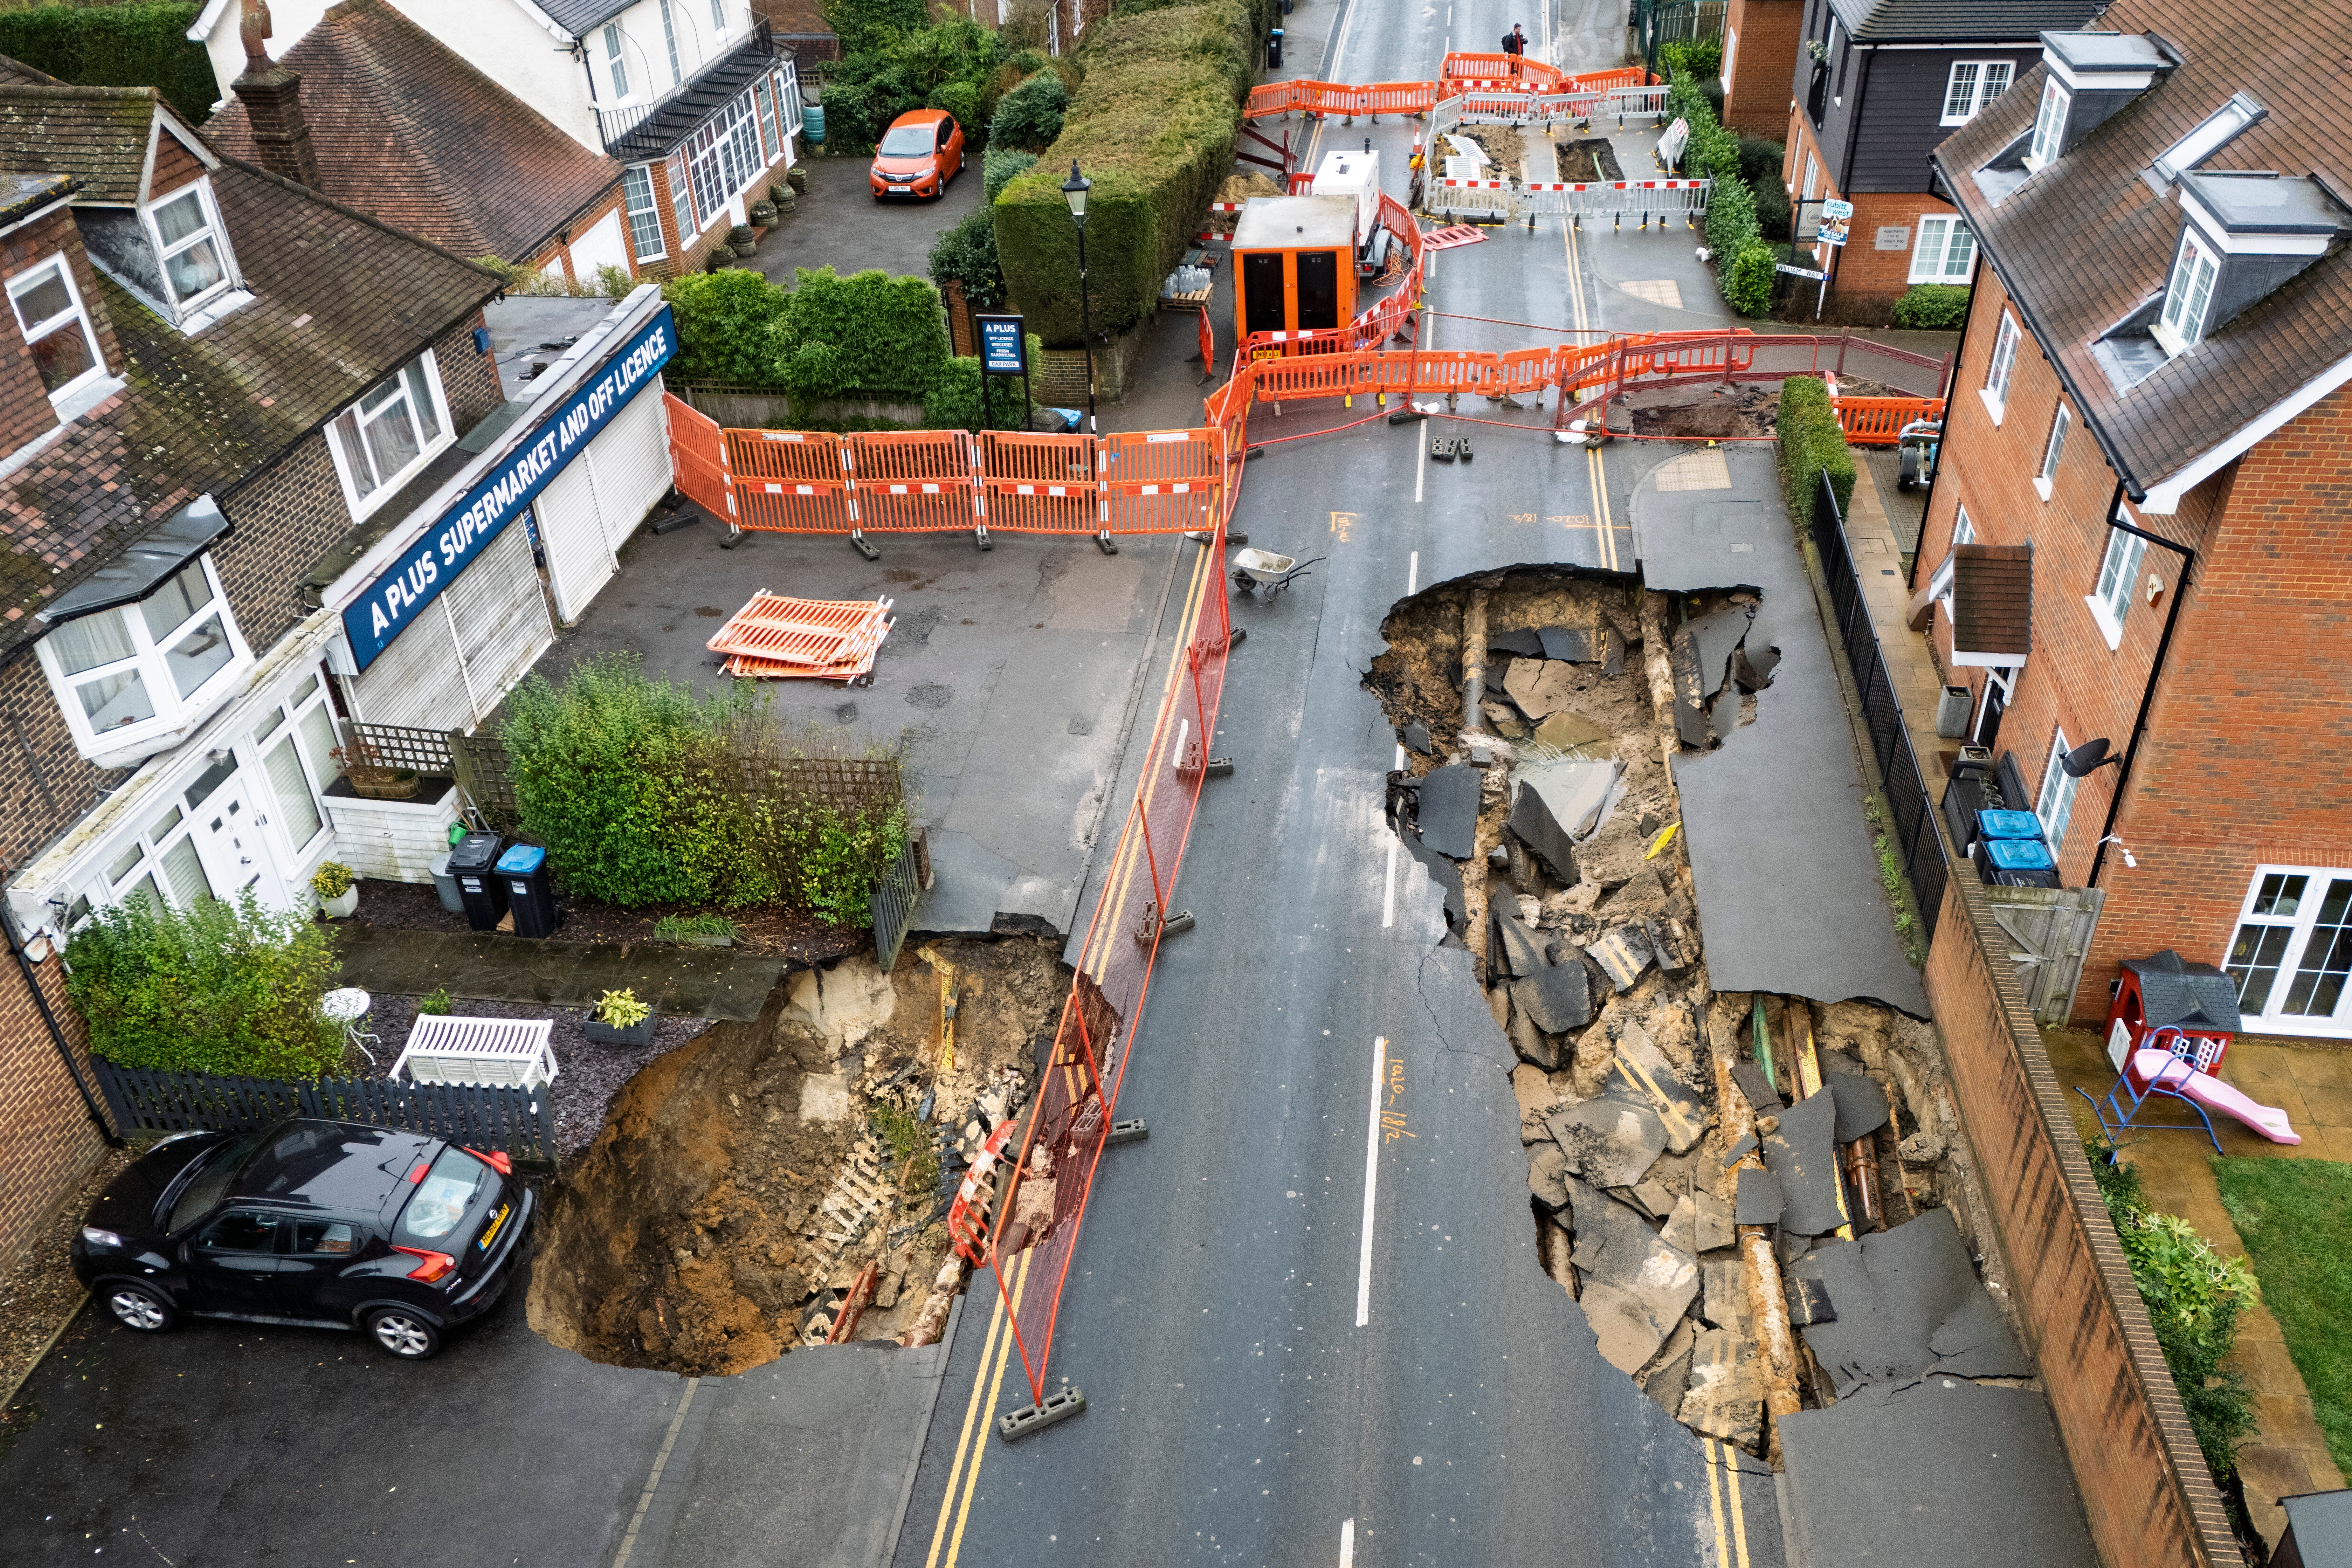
825,639
697,451
790,481
1039,484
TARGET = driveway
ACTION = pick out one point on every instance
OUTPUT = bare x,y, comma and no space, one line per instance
838,223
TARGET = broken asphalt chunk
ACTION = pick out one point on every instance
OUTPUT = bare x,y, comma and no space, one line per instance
1533,1046
1570,644
1556,999
1760,1201
1752,1083
1641,1070
1636,1287
1674,945
1521,950
1723,1398
1739,1150
1655,1199
1669,1370
1548,1176
1540,685
1416,738
1975,1342
1610,1142
1623,953
1449,810
1528,645
1861,1106
1809,1301
1701,1222
1446,874
1896,1293
1557,801
1800,1152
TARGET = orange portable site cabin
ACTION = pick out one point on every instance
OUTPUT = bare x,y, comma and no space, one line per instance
1294,264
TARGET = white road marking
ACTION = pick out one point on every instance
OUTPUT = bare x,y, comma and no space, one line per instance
1371,1181
1348,1544
1413,575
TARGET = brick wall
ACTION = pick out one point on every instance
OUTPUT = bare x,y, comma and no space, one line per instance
2241,765
2150,1501
50,1144
1866,274
556,253
174,166
1763,63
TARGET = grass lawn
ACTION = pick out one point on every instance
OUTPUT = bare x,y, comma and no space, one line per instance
2296,1218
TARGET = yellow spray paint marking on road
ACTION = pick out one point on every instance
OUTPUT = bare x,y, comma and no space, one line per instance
1341,521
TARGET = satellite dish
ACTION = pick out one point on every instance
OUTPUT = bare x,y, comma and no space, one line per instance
2088,756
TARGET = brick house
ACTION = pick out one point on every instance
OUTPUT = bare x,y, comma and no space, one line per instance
1759,55
2150,404
690,99
233,412
387,119
1876,84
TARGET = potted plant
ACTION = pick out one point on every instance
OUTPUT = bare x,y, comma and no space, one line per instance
763,214
338,889
742,240
797,178
619,1019
371,776
696,931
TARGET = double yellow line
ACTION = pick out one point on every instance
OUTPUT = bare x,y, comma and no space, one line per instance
987,1384
1601,521
1723,1475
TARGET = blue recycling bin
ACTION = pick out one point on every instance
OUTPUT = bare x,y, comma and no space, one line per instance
522,874
2018,854
2008,824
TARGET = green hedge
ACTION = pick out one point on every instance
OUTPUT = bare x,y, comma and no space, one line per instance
863,26
1152,125
1029,116
116,46
966,255
869,334
218,987
1747,283
1811,444
1000,166
1933,307
723,321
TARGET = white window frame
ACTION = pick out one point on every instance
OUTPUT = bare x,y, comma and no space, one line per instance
718,20
2054,451
2302,930
616,67
1964,532
1977,91
77,312
2053,804
282,722
147,657
718,148
2048,125
2110,600
1944,225
2000,366
669,38
213,229
649,214
1812,173
389,484
1730,49
2188,296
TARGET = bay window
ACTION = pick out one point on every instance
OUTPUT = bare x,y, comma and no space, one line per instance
129,675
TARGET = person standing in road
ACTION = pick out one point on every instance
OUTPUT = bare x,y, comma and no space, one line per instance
1515,43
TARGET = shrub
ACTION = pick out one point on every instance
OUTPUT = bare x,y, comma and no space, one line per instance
966,254
116,46
217,987
1029,117
1933,307
1730,220
333,879
842,859
436,1001
724,319
1760,161
863,335
1748,281
1000,166
1772,216
620,1009
1153,125
869,24
961,100
1811,444
953,401
1702,57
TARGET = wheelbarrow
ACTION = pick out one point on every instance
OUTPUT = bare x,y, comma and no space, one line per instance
1256,568
1916,449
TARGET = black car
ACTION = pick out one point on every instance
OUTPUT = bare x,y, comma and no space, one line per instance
327,1224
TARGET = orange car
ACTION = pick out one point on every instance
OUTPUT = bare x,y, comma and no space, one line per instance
921,152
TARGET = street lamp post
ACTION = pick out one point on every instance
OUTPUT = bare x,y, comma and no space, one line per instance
1074,191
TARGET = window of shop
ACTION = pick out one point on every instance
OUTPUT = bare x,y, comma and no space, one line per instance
389,434
121,673
2293,952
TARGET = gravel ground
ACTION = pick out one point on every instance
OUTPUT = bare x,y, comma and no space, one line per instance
588,1075
416,906
41,1292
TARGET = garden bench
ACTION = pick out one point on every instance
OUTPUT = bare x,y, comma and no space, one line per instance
445,1048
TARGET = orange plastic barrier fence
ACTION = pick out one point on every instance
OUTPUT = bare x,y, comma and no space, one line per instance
697,450
1877,421
790,481
1498,68
1301,95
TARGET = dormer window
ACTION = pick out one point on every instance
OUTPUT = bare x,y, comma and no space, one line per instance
2048,125
188,239
2187,296
56,327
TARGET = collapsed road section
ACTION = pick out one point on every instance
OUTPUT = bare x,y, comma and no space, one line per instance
1762,1202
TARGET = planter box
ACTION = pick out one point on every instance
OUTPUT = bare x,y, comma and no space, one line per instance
343,907
639,1033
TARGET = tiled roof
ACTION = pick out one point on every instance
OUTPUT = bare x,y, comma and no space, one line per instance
1960,21
340,300
1992,598
17,72
95,134
2084,242
405,129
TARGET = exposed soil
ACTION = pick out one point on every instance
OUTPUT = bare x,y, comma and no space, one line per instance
1725,413
743,1182
1584,160
783,933
1239,187
1504,148
1695,1326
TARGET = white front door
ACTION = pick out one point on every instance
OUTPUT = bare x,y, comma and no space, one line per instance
2293,952
228,836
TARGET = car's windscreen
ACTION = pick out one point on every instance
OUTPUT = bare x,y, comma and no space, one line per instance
209,1182
906,141
454,1183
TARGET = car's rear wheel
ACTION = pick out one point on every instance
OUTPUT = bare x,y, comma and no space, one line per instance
138,1308
402,1332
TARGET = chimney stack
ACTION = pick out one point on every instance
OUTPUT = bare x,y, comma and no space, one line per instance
272,96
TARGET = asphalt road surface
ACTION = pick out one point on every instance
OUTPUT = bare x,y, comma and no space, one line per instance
1306,1312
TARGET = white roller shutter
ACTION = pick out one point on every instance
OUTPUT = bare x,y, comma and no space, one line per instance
414,681
579,561
500,618
633,469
